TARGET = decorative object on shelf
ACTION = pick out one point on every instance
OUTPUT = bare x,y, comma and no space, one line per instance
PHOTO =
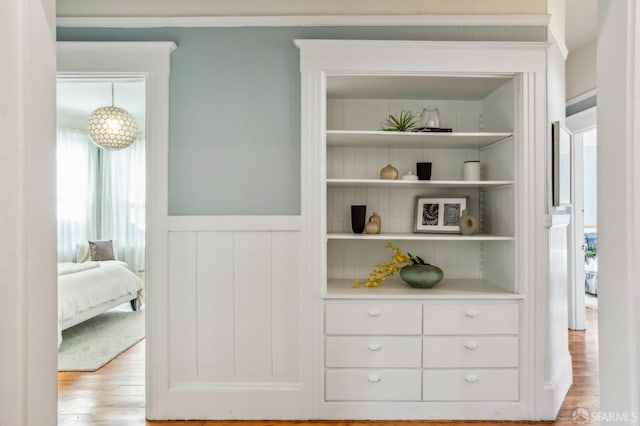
374,225
387,270
433,129
420,274
468,223
430,118
561,156
111,127
424,171
358,216
409,176
389,172
438,213
471,170
405,122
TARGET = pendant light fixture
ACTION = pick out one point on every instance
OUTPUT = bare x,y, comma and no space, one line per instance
111,127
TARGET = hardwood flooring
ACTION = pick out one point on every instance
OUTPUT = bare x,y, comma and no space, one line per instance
114,395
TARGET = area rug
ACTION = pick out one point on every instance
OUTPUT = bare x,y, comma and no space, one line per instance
93,343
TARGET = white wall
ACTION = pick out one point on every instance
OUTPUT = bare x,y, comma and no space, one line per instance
296,7
618,206
581,70
27,218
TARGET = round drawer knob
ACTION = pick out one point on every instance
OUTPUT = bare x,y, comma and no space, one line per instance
374,312
472,346
472,313
375,346
472,378
374,378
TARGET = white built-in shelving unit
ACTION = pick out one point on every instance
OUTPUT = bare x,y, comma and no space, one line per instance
461,349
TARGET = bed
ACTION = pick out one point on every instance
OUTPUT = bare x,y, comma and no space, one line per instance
88,289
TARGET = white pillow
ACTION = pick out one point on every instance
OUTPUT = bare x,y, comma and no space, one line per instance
83,252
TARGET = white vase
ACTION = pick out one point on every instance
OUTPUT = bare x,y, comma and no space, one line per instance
468,224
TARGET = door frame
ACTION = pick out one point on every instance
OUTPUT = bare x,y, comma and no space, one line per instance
578,123
151,60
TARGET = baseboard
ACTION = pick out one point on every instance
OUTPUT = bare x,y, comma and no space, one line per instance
556,390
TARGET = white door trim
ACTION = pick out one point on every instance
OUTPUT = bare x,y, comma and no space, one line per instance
151,59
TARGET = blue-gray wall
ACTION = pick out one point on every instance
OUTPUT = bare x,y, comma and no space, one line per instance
234,145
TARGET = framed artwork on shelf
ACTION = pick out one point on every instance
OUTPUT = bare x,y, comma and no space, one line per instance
438,213
561,157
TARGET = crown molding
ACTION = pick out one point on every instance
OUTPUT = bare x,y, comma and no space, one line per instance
555,38
303,21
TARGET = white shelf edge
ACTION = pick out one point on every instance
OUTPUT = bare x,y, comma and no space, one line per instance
333,182
380,138
417,237
396,289
503,135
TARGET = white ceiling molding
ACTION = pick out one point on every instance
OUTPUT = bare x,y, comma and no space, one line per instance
306,21
554,37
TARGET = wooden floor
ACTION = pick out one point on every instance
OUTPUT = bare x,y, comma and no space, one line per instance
114,395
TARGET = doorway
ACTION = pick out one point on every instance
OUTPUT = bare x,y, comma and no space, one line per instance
101,218
583,288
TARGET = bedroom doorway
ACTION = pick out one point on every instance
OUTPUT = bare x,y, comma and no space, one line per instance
101,218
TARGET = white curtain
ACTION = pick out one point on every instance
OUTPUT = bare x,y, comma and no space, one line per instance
77,161
123,201
101,196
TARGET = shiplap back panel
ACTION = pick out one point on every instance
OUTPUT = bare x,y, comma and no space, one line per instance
233,307
368,114
355,259
498,211
366,163
498,160
498,109
498,264
395,206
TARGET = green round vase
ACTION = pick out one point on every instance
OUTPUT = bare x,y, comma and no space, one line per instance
421,276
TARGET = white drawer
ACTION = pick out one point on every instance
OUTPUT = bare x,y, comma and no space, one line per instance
470,385
470,351
372,385
373,318
471,318
374,351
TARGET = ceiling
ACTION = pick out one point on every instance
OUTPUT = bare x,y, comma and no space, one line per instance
581,23
79,97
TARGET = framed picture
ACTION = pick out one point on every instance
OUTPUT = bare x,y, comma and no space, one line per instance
561,159
438,213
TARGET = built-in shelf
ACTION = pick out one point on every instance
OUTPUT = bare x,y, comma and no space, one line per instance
397,289
382,183
382,139
417,237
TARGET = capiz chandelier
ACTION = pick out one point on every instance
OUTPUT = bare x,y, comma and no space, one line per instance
111,127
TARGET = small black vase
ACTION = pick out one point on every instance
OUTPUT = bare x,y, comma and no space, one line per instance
423,170
358,215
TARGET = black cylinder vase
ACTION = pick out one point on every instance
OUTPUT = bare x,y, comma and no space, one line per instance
358,215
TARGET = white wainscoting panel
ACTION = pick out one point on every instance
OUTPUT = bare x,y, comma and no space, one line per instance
183,325
234,307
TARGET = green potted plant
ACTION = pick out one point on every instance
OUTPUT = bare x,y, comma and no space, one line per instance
405,122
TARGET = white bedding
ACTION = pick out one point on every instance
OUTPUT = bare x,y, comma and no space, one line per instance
91,287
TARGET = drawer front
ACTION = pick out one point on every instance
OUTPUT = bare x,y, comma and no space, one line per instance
372,385
471,318
470,385
470,351
374,318
374,351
